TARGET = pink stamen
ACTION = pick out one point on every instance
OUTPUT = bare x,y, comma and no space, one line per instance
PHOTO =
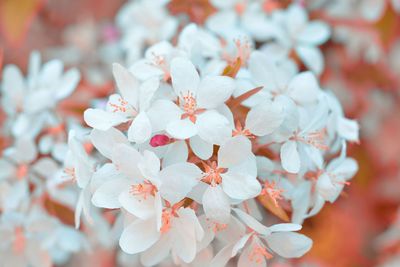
315,139
190,107
212,174
258,253
242,131
274,193
145,189
216,227
121,107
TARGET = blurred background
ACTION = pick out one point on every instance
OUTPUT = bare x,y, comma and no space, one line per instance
362,66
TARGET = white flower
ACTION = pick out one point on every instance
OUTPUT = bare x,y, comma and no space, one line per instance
30,102
130,107
198,100
170,229
232,177
303,36
259,244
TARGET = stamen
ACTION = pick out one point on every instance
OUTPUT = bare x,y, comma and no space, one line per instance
121,107
258,253
212,174
190,107
216,227
274,193
315,139
145,189
241,131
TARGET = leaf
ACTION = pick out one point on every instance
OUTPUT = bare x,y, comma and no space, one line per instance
235,102
267,202
16,16
197,10
65,214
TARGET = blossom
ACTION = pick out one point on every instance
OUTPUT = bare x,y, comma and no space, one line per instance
23,99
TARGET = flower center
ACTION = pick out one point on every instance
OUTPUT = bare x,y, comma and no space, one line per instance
239,130
19,240
145,189
212,174
22,171
190,107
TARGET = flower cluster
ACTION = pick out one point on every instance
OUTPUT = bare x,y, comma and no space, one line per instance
216,145
204,131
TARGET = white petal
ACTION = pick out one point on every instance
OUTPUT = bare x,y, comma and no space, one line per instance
327,189
163,112
252,223
201,148
296,19
240,185
264,118
127,84
235,151
25,150
213,127
247,258
102,120
304,89
290,157
140,129
177,152
158,252
315,33
178,180
68,83
105,141
181,129
139,236
150,165
312,58
348,129
240,244
288,244
106,196
126,158
147,90
7,169
184,75
222,257
184,245
285,227
216,204
137,205
214,91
